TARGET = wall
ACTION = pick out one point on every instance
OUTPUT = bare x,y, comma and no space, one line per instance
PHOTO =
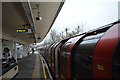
25,50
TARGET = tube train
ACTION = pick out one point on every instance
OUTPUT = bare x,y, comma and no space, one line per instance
91,55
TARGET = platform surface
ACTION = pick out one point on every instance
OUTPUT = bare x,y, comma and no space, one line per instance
30,68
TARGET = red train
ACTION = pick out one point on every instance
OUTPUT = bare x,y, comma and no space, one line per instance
91,55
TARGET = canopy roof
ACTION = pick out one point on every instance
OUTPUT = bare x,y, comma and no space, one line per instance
22,15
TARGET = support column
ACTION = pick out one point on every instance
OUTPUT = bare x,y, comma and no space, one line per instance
25,51
14,51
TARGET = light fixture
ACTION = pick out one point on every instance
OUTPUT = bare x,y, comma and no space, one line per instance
38,12
38,16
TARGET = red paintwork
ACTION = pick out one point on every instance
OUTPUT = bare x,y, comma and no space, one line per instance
52,68
68,61
103,53
68,56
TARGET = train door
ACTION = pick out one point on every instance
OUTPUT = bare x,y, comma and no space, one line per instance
60,57
82,66
66,57
63,61
57,57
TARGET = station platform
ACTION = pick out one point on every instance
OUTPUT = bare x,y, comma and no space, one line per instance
32,67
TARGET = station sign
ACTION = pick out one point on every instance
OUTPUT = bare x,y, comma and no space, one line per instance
23,30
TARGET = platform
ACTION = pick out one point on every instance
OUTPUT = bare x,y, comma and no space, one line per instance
32,67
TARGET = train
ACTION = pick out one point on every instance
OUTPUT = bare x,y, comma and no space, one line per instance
91,55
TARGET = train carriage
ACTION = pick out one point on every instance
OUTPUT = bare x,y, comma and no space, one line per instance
91,55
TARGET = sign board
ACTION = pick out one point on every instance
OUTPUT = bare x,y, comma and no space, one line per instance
23,30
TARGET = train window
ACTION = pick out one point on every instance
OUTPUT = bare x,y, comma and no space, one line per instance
63,59
83,57
93,36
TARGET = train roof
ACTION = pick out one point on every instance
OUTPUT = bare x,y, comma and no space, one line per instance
98,30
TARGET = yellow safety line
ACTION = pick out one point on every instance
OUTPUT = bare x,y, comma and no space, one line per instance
44,72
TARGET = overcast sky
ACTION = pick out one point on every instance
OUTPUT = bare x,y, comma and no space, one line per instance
91,13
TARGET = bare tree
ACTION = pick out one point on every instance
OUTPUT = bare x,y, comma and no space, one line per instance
79,29
66,30
54,36
62,36
45,42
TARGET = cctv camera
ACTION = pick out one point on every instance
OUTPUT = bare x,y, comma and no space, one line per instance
38,18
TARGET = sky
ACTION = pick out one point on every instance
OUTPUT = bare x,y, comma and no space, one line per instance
89,13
